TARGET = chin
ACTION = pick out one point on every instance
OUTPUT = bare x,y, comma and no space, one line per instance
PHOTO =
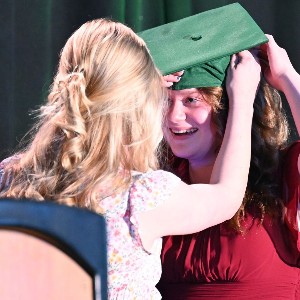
181,154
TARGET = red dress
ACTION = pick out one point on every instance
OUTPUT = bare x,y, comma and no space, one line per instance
218,263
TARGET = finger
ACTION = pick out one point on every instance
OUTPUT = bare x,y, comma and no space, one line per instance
179,73
270,37
245,54
270,44
248,55
172,78
240,57
176,74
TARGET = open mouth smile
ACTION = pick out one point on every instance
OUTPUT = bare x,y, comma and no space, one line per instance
184,131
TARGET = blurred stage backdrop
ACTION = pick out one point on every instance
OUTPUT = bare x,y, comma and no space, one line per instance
33,32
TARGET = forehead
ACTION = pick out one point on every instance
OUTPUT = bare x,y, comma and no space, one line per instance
186,93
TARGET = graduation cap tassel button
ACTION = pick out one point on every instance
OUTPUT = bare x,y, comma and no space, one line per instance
196,37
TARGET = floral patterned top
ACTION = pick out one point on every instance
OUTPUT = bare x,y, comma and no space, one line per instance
132,271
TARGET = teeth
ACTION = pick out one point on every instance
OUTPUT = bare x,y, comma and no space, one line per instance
179,131
186,131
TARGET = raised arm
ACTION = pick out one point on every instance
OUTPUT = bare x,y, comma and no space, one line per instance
280,73
192,208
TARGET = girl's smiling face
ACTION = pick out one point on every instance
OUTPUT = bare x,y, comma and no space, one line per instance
188,128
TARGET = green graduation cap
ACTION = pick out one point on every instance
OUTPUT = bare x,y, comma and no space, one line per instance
202,44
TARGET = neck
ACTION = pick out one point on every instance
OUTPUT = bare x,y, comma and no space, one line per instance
200,173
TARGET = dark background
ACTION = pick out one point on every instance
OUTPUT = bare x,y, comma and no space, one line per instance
32,33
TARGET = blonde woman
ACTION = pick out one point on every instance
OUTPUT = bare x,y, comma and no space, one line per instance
96,146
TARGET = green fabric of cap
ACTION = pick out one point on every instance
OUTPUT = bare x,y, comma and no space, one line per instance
202,44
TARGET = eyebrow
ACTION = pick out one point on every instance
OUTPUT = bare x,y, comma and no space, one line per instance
196,95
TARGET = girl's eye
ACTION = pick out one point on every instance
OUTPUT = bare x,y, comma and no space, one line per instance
193,101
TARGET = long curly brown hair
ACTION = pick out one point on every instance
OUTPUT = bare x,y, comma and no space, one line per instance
269,137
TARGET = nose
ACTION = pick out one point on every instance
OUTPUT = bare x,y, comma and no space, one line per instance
176,112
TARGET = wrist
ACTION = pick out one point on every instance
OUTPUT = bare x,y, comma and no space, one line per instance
242,102
289,78
242,113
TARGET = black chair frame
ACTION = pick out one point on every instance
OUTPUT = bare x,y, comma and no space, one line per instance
80,233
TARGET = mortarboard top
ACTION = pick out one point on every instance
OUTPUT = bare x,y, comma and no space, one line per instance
202,44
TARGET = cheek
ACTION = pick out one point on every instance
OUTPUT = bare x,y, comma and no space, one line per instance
201,117
168,113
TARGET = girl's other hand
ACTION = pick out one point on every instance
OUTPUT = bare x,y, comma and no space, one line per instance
275,63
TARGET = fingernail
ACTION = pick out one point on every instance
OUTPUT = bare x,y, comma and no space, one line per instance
178,78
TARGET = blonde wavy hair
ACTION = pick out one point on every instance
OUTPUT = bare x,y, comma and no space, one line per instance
269,137
102,120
